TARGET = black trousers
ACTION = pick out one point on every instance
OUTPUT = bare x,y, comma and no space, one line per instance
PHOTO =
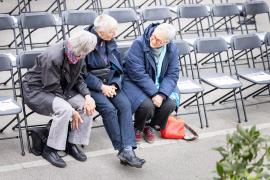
159,116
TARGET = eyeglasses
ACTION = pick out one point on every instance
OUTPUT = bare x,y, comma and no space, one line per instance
157,40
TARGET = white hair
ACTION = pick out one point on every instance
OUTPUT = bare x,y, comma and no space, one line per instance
82,42
104,23
168,30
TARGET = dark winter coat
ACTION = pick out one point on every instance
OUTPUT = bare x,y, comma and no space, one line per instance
51,77
93,61
141,71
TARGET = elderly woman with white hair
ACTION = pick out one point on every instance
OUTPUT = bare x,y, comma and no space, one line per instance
104,80
151,75
55,86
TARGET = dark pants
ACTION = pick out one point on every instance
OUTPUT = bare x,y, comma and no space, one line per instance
159,116
117,118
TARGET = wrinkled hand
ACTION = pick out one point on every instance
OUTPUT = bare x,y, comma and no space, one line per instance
108,91
89,105
157,100
76,117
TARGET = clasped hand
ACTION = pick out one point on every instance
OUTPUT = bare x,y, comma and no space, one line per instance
157,100
108,91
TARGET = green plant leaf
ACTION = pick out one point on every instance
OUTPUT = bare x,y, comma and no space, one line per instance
259,163
241,131
268,156
246,154
244,148
230,158
252,131
220,169
227,166
268,166
249,177
220,148
228,137
252,151
263,174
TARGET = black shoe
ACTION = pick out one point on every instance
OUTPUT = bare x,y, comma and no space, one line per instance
53,158
125,163
75,152
130,158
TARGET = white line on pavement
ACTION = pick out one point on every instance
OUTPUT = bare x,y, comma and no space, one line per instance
38,163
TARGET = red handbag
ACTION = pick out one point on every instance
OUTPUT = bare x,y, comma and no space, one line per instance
175,129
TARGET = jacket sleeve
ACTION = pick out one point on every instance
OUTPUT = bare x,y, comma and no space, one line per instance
91,80
171,76
136,70
80,84
51,73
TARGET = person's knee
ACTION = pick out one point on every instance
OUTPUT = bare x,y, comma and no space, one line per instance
170,106
107,110
64,109
148,107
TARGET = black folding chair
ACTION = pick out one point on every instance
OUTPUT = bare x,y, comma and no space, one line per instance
7,23
218,80
187,83
77,18
9,105
35,21
254,75
125,15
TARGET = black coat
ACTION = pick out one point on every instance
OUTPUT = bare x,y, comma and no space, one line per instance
51,77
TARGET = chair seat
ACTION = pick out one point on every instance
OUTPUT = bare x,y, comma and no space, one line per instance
227,37
173,8
12,57
187,85
261,35
221,80
11,106
190,40
257,76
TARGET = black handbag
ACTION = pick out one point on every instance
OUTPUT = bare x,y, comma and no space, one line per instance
39,136
102,74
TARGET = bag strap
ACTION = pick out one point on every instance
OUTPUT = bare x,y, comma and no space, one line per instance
193,132
41,136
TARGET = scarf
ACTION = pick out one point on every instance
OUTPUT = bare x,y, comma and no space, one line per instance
173,96
71,58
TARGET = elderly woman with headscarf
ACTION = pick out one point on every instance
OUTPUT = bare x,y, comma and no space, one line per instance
55,85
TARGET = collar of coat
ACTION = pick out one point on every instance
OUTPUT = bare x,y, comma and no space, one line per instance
110,44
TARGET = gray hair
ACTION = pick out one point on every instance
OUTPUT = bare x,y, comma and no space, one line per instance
168,30
104,23
82,42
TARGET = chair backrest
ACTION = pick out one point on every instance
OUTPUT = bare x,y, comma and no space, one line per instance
5,62
210,45
26,59
242,42
192,11
123,48
154,13
36,20
79,17
6,22
182,46
122,15
224,10
267,39
255,7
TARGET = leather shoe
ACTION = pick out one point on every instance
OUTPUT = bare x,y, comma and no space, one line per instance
54,158
129,157
75,152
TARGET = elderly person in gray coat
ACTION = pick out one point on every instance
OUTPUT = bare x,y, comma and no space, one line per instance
55,85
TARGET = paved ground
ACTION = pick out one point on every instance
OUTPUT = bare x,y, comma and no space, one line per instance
166,159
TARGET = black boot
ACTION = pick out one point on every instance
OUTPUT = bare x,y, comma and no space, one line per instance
75,152
51,155
129,157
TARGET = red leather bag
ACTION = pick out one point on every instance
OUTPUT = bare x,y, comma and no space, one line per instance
175,129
